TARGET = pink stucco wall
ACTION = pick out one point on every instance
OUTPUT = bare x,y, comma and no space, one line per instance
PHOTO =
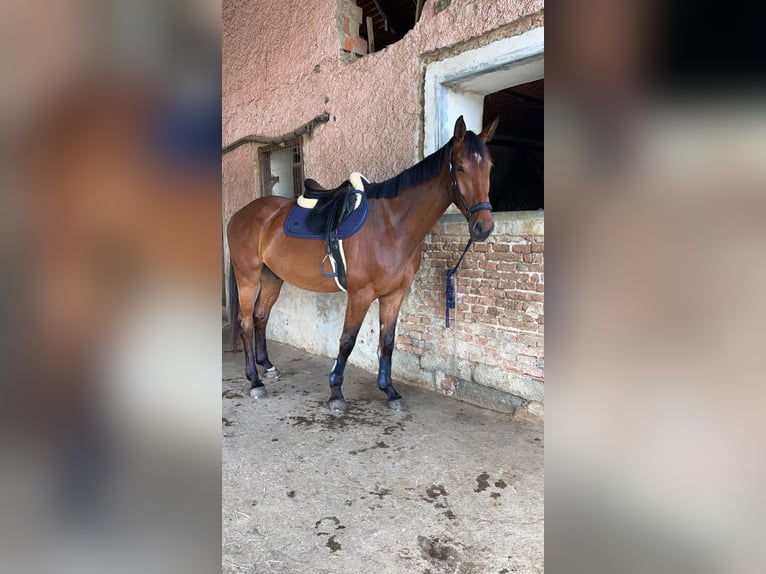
271,48
240,180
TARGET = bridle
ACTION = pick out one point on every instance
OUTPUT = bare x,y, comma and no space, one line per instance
481,206
456,195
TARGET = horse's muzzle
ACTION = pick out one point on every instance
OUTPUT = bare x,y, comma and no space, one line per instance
481,227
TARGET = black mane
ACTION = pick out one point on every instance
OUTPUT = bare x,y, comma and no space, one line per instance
424,170
418,173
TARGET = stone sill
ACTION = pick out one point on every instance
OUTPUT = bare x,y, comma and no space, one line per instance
506,223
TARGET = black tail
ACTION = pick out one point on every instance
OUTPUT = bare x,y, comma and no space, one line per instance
233,308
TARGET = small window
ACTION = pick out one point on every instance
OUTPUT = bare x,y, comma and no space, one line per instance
516,183
367,26
385,23
282,169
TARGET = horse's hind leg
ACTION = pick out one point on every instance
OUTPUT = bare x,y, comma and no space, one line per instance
247,291
271,285
389,313
356,309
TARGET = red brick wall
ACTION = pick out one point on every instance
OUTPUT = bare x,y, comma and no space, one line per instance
496,339
349,21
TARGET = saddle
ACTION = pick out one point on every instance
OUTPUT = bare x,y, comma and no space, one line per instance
329,207
312,190
331,215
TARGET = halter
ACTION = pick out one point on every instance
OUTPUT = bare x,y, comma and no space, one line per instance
481,206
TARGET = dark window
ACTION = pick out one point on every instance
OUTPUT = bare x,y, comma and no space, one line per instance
367,26
389,21
516,183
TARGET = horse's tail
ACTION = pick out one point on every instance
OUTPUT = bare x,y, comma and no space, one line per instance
234,308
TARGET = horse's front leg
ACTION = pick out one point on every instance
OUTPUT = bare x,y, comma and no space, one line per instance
356,309
389,313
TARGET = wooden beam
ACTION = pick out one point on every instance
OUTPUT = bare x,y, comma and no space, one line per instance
383,14
370,36
306,128
525,97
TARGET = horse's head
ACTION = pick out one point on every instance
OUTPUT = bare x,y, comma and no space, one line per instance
470,167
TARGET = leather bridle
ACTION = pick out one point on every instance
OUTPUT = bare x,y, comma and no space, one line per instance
456,195
481,206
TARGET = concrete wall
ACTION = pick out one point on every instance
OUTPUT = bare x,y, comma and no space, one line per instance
282,66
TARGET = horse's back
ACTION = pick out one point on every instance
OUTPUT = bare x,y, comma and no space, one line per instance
256,214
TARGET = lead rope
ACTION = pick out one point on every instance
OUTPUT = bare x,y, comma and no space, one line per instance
450,285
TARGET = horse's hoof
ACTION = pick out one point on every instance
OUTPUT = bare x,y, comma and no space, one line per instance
337,406
258,392
398,405
272,374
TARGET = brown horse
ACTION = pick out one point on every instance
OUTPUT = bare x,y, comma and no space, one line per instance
382,257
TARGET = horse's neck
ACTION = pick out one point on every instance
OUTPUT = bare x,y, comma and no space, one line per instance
418,208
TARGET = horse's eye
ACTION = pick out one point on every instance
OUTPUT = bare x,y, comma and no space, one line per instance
460,168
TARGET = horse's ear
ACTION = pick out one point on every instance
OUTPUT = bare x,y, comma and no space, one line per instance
459,130
489,131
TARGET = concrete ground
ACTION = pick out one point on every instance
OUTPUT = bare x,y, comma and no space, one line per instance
444,488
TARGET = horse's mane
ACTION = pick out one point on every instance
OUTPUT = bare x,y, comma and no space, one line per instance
422,171
418,173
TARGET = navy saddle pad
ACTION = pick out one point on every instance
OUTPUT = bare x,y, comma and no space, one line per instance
296,223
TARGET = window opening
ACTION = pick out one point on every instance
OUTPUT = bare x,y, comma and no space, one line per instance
282,169
367,26
516,182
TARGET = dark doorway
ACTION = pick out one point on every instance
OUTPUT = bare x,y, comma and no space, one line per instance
517,149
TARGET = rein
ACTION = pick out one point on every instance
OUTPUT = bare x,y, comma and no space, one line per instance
450,292
481,206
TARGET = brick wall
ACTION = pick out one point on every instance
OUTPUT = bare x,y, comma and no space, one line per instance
493,353
349,18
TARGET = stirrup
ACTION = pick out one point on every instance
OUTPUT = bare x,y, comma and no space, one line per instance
326,273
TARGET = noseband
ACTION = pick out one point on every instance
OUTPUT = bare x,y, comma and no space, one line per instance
456,195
